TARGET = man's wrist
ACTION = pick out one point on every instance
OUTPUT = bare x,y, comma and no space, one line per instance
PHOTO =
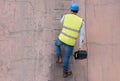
80,47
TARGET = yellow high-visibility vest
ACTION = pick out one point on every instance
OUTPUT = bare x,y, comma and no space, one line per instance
71,28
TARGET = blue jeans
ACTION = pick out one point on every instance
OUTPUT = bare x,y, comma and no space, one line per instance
68,52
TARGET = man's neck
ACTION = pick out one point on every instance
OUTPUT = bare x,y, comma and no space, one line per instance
73,13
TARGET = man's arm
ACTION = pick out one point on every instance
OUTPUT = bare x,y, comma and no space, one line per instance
82,34
62,19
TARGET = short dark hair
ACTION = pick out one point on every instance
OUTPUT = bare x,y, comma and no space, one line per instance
74,11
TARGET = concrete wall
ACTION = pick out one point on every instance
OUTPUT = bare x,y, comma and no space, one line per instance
26,37
28,29
102,26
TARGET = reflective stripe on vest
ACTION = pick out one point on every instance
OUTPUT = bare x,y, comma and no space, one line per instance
71,29
68,35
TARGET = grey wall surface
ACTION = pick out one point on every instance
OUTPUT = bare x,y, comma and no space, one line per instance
102,22
26,39
28,29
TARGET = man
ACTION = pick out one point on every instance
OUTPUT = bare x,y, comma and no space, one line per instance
72,26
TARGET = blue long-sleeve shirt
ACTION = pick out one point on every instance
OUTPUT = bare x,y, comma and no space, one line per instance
82,32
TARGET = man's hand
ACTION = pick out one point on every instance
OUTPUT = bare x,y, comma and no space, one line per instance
80,47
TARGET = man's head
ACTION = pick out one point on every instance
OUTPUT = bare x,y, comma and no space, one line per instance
74,8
